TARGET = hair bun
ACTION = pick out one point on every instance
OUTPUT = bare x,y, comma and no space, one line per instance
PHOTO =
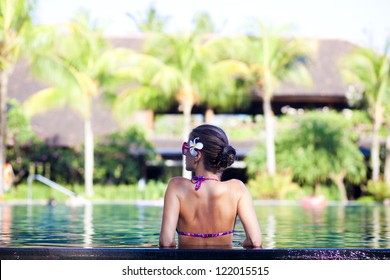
226,157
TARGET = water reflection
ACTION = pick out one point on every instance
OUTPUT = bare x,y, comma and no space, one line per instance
6,222
271,232
387,224
123,225
88,224
376,228
315,215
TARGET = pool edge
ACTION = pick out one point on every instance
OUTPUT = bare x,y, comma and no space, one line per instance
61,253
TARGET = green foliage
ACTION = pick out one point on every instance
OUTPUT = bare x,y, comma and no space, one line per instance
119,159
152,191
204,23
169,125
62,165
75,56
271,58
79,64
121,156
329,191
366,199
243,133
15,24
359,117
19,129
186,68
238,127
320,144
369,72
379,190
274,187
151,21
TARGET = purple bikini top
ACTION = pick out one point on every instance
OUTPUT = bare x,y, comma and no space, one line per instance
198,180
204,235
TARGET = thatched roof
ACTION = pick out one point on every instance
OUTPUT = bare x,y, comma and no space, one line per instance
324,69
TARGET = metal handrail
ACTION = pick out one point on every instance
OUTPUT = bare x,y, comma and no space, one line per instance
51,184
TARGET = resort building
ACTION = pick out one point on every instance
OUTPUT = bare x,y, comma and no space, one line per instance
63,127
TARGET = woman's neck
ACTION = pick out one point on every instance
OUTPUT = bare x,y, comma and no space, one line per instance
200,170
207,174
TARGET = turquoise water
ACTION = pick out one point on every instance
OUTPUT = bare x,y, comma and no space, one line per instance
129,225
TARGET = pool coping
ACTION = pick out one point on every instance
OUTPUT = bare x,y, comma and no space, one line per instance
61,253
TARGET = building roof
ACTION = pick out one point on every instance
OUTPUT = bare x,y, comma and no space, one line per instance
324,69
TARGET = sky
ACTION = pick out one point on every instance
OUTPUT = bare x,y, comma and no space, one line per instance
363,22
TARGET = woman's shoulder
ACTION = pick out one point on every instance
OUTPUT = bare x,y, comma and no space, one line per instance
236,182
178,181
238,185
178,186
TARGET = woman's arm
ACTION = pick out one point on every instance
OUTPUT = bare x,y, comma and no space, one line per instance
170,216
248,218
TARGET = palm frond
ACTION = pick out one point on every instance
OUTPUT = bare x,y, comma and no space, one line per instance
132,99
369,70
59,74
168,79
47,99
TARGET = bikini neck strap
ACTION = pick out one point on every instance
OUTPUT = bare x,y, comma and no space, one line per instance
198,180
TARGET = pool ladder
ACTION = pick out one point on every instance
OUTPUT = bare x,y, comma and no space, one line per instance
74,198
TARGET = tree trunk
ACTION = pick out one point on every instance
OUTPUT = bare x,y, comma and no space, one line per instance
3,125
375,148
339,181
270,136
316,189
88,155
209,116
187,107
387,162
145,118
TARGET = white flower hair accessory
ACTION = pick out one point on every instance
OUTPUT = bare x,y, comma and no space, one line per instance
195,146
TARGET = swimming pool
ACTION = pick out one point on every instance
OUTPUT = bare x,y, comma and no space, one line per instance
120,226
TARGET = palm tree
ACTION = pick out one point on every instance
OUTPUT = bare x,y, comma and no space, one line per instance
204,24
150,22
174,66
387,147
15,23
371,71
222,89
272,59
387,118
78,63
386,174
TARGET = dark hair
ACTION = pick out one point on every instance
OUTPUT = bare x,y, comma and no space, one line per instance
217,153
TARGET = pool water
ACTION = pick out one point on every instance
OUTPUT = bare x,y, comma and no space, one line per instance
119,225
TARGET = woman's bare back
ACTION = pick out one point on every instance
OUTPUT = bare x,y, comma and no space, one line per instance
210,210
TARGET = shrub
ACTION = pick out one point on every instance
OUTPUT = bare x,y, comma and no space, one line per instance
379,190
120,157
274,187
319,147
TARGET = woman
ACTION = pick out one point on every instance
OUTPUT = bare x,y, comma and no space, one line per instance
203,210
